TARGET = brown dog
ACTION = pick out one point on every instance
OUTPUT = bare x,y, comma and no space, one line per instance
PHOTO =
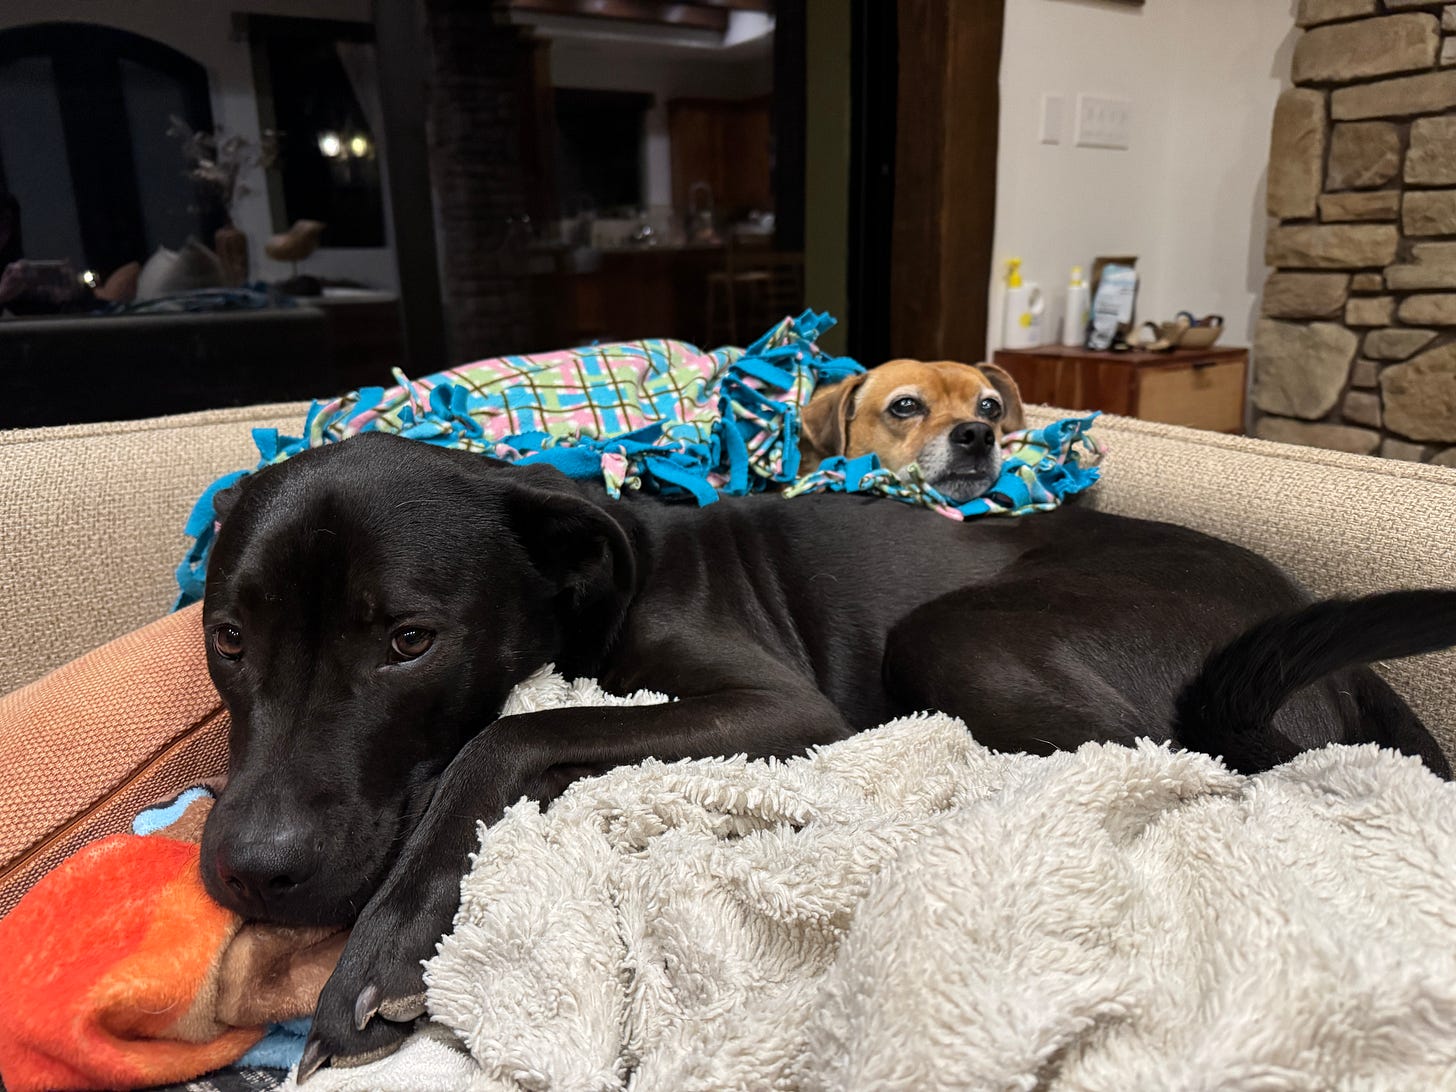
946,417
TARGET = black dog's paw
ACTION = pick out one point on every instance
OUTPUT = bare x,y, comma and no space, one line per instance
335,1040
369,1004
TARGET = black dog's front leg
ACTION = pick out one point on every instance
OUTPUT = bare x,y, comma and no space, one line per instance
533,755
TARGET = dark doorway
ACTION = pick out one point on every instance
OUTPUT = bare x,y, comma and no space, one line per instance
874,72
790,121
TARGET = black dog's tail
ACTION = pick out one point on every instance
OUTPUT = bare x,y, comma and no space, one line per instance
1228,709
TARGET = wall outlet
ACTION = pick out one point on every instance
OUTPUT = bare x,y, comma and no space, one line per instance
1053,118
1103,122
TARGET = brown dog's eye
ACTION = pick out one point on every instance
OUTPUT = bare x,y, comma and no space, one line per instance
412,642
228,641
906,407
990,409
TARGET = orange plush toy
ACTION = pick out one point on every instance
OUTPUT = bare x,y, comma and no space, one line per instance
112,966
123,973
119,971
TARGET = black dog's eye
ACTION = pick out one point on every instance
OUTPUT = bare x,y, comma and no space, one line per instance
990,409
412,642
228,641
906,407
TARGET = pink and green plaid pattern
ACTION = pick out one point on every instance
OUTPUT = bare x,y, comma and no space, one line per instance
596,392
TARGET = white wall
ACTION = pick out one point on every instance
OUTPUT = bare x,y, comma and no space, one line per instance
1187,197
202,29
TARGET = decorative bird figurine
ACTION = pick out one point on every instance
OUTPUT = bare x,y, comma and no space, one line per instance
297,243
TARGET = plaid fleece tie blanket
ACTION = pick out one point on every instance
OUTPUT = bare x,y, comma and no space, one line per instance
658,415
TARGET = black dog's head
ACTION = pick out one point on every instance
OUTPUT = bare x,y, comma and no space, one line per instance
369,605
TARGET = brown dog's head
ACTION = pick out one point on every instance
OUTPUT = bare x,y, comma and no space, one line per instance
946,417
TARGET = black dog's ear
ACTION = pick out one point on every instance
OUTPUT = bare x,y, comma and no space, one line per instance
224,499
824,426
1014,418
575,543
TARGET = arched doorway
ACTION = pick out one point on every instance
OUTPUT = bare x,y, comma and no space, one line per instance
84,146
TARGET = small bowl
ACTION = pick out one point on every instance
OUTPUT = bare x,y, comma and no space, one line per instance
1199,337
1181,333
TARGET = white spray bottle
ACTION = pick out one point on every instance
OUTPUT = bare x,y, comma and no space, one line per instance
1024,309
1079,310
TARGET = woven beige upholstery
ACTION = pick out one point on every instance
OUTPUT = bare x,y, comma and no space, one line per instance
91,522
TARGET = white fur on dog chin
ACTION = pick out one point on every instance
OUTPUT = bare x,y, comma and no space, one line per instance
907,910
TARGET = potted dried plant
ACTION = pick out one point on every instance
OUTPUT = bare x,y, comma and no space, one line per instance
218,163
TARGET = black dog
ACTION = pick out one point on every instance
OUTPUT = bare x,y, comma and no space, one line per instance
369,605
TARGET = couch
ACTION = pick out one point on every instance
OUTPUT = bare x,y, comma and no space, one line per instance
91,522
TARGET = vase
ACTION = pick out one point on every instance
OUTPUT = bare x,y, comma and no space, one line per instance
231,246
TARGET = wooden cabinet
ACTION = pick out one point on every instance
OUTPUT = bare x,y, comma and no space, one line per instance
1197,388
725,144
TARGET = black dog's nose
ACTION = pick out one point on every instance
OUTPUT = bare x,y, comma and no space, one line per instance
975,435
264,871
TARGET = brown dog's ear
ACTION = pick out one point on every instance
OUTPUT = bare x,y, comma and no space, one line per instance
824,425
1014,418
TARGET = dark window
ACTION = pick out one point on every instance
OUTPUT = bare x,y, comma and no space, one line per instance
599,148
318,89
84,149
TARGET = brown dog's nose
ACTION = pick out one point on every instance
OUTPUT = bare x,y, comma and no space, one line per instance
973,435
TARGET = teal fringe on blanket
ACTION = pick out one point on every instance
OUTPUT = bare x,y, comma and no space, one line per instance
1039,468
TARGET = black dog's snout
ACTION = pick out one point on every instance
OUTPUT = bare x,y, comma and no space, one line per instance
973,435
264,871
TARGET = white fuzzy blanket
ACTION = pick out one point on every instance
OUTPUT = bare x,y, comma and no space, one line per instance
906,910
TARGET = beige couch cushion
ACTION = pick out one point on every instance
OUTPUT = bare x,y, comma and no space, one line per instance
1341,524
91,521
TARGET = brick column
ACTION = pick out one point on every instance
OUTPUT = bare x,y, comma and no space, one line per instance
478,69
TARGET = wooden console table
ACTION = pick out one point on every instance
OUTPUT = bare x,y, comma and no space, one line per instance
1198,388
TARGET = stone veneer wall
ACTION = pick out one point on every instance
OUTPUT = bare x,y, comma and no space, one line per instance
1357,346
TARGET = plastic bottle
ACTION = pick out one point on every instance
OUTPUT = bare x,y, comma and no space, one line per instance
1079,308
1024,309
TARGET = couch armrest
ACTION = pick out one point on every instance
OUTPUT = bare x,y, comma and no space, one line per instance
1341,524
91,518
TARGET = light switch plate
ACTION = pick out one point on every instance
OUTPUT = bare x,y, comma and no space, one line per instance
1053,118
1103,122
